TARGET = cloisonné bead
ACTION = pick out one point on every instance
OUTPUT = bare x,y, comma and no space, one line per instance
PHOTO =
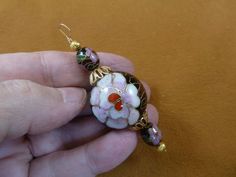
88,58
151,134
118,100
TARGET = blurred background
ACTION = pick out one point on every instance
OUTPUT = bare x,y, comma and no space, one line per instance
184,49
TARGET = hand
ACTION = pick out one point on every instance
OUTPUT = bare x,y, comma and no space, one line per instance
40,94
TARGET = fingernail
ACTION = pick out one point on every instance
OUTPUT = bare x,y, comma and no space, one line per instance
74,95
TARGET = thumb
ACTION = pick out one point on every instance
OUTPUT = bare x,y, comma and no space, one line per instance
27,107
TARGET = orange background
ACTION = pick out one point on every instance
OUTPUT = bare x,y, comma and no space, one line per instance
185,50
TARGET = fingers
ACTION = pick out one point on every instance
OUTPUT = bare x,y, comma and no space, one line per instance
57,69
116,62
14,158
69,136
98,156
153,114
74,134
16,165
32,108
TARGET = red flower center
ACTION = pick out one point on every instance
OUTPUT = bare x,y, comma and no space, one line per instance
116,100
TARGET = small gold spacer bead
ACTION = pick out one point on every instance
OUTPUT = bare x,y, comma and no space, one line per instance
161,147
75,45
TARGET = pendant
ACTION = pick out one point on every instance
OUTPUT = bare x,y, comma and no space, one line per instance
118,99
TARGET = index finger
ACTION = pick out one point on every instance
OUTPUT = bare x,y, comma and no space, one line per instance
54,68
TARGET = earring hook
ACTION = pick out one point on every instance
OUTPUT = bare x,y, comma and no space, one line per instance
66,31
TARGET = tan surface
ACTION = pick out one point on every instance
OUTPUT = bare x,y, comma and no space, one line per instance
185,50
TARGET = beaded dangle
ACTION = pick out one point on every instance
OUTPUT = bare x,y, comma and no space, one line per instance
118,99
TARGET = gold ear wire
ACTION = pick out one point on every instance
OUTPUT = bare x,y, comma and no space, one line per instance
66,31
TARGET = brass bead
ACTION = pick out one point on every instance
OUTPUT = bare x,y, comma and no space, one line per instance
161,147
75,45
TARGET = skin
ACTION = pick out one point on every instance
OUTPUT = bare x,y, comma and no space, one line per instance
46,125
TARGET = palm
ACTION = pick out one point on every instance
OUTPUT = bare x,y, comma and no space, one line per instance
41,139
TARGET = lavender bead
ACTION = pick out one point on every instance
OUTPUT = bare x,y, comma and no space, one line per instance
88,58
151,135
155,135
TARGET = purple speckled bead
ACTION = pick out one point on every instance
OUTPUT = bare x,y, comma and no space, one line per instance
88,58
91,54
155,135
151,135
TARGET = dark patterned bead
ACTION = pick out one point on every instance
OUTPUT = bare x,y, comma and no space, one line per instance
151,135
88,58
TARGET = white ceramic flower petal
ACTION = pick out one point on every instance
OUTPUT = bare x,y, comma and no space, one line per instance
119,81
133,116
117,123
105,111
94,100
131,89
123,113
132,97
104,94
106,81
101,114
